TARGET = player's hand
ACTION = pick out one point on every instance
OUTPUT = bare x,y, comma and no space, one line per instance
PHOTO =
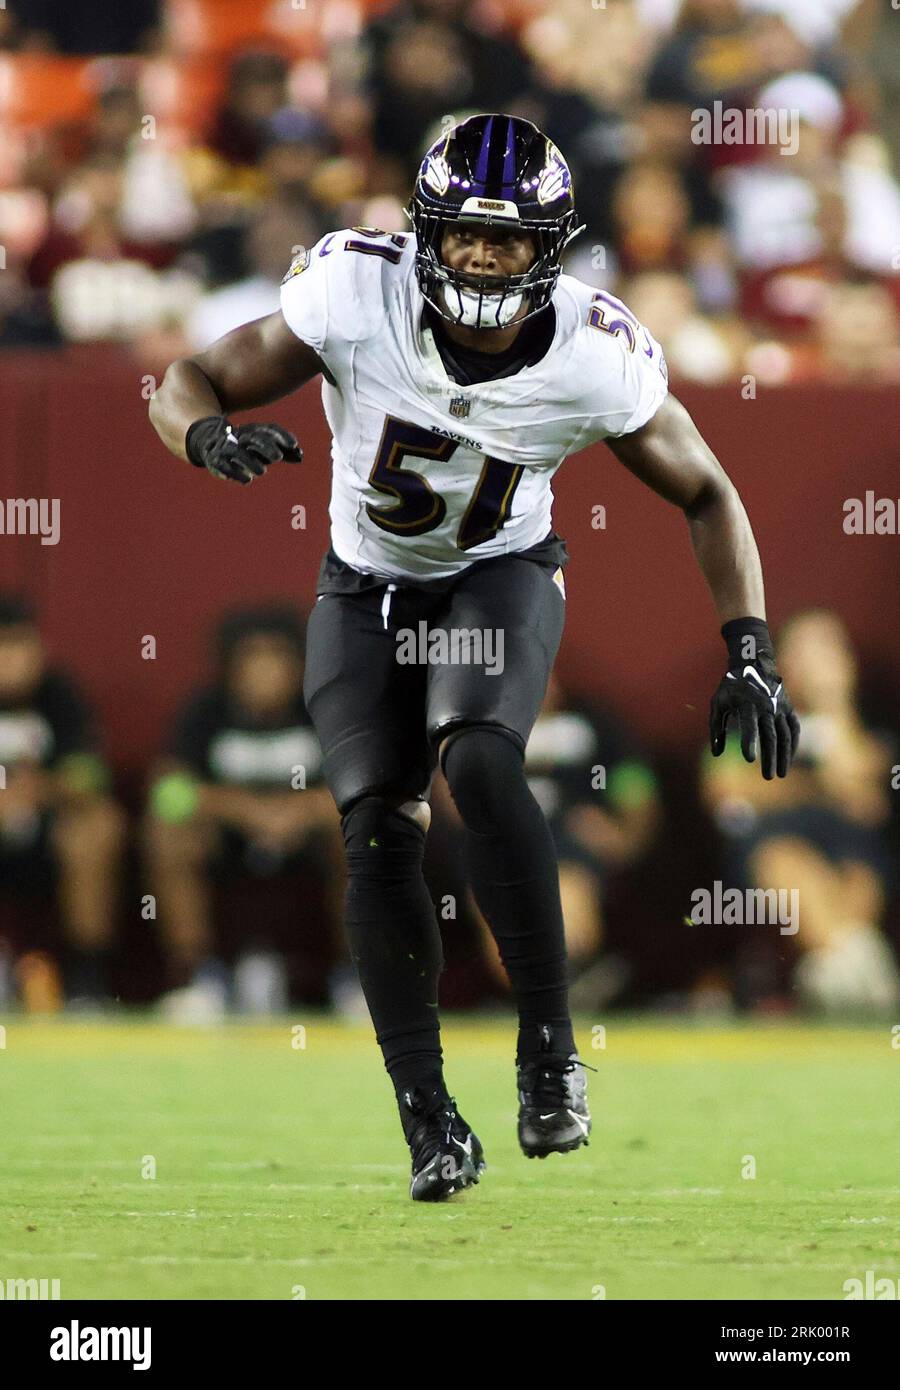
239,453
752,694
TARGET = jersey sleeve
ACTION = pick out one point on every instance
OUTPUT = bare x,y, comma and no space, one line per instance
335,293
304,295
628,377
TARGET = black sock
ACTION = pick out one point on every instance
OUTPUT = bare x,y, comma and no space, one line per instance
511,860
394,939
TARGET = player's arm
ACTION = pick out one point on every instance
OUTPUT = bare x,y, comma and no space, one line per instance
671,457
252,366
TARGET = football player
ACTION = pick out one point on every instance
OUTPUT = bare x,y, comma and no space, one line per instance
461,367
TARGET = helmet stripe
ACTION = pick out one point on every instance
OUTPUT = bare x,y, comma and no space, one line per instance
496,162
509,162
481,166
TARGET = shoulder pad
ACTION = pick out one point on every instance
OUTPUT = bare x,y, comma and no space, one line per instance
338,290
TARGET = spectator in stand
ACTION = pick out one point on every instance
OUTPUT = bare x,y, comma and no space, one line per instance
60,830
239,797
589,107
709,57
719,53
115,121
257,90
278,230
799,221
427,59
652,215
296,147
696,348
26,318
118,218
815,21
86,223
823,832
84,27
116,226
858,335
303,161
102,282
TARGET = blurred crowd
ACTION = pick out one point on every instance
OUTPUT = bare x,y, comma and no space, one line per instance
219,886
160,161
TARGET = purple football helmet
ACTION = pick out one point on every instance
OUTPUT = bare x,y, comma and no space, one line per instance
503,171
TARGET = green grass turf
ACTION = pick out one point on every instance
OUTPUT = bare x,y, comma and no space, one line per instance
279,1166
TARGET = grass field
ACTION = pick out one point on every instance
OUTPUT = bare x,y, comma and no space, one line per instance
279,1165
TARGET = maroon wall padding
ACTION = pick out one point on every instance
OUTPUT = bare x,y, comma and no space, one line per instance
151,546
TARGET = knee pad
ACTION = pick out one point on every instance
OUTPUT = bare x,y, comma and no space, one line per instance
445,742
485,772
374,823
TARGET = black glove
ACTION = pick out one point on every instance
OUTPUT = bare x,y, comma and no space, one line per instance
753,693
239,453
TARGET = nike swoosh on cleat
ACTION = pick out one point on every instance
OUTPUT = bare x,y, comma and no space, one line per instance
582,1124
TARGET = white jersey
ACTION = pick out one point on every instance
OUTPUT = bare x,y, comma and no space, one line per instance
428,475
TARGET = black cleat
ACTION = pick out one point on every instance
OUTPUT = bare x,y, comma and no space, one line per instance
446,1155
553,1109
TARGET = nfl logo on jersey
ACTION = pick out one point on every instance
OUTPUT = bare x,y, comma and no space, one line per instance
459,407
